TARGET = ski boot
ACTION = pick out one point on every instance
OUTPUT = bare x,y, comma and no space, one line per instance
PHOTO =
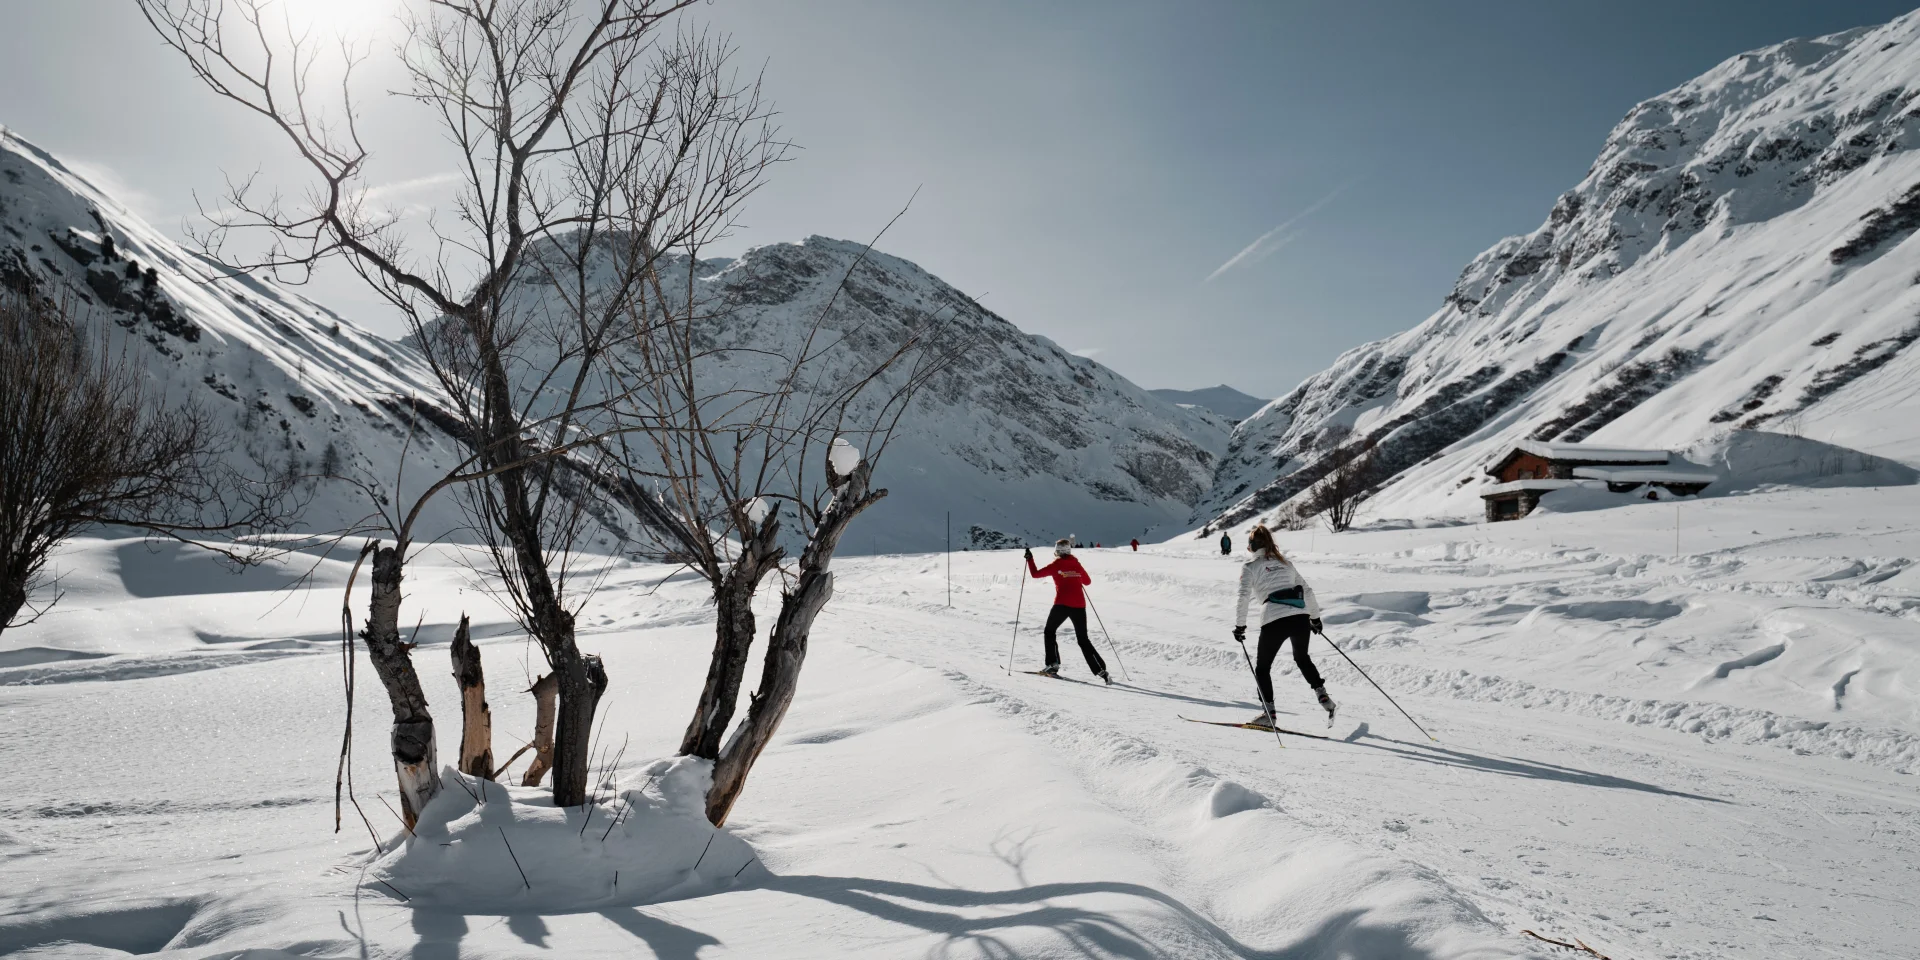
1050,670
1103,676
1266,718
1326,703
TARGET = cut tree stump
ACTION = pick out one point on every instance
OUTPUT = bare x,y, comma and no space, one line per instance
546,694
476,721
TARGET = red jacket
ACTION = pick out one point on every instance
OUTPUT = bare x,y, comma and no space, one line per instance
1070,580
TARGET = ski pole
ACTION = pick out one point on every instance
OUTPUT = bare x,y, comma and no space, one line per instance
1396,705
1017,604
1110,644
1268,707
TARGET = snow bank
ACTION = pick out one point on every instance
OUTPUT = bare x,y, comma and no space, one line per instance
1749,459
489,848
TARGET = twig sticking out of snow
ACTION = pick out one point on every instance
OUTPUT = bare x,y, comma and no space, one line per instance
1577,944
403,897
516,860
703,853
396,815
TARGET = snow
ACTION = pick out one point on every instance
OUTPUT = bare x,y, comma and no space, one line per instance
1682,730
483,847
1635,475
1527,483
758,508
844,456
1590,453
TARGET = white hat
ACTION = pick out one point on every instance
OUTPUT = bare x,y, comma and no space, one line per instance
1063,546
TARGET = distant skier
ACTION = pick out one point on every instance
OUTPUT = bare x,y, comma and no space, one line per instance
1226,543
1136,544
1070,581
1289,612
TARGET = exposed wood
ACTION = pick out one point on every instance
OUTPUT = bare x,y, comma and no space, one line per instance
787,646
476,720
546,691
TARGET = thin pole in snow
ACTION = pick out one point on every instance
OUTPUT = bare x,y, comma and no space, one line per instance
1110,644
1017,604
1376,686
949,558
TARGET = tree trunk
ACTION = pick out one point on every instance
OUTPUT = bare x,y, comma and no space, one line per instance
476,721
734,629
581,678
13,596
582,681
414,755
787,647
544,691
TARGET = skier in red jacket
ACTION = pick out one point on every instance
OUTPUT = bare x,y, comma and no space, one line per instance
1070,580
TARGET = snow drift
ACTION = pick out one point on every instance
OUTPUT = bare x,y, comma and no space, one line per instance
485,847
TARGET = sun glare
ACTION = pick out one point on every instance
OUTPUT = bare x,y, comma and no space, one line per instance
349,17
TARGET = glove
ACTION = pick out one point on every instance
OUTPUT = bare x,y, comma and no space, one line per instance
1314,623
1240,634
1028,552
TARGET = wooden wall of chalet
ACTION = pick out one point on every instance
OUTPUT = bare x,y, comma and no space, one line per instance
1525,466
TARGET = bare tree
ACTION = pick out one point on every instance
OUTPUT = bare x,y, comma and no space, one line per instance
84,443
1353,473
734,451
590,143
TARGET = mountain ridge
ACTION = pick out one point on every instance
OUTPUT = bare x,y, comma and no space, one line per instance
1737,256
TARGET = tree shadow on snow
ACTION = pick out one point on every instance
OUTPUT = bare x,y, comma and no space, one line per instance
981,922
1515,767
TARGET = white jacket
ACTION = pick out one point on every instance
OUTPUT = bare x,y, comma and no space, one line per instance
1262,577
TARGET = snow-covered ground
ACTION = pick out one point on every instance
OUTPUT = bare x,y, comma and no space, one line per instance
1696,748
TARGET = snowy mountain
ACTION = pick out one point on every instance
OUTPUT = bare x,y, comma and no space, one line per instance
1741,255
303,390
1223,400
1021,441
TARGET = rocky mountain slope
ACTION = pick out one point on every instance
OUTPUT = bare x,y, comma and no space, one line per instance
1021,441
302,390
1739,255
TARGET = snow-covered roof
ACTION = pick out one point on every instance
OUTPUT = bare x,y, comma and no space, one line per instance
1645,475
1590,453
1540,485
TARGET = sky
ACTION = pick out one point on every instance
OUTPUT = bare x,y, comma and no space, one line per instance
1190,192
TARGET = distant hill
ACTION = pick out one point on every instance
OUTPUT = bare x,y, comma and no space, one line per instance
1223,400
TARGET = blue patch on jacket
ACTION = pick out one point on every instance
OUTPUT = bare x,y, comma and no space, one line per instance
1291,596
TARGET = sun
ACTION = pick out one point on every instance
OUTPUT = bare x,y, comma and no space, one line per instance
340,17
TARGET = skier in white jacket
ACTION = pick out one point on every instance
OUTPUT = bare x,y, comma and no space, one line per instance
1288,612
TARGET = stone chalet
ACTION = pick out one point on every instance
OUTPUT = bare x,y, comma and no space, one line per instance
1533,468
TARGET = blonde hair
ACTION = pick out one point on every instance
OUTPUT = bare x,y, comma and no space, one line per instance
1261,540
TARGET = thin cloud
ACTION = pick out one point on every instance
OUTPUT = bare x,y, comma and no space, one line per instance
1088,352
1276,238
401,187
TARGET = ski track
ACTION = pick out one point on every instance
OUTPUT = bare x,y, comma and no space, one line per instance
1714,854
1663,757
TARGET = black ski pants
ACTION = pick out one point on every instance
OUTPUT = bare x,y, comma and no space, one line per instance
1060,614
1272,635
